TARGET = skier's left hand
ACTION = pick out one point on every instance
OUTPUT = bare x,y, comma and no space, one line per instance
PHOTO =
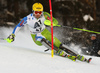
48,23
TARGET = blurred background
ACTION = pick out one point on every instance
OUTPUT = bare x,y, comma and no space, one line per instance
73,13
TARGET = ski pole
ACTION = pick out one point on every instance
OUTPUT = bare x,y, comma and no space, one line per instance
65,26
81,29
8,40
87,30
2,39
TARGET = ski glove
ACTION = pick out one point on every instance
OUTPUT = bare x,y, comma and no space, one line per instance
48,23
10,38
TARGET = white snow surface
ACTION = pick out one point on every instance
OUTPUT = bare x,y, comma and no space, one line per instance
24,56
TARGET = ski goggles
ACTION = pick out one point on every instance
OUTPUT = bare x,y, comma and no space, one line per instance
38,12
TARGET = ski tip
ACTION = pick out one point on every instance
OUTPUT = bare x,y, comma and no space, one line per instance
89,60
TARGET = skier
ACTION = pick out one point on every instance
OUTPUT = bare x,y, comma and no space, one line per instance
36,22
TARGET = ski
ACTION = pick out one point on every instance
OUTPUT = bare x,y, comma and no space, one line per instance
63,52
73,58
2,39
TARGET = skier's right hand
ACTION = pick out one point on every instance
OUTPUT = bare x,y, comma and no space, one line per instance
10,38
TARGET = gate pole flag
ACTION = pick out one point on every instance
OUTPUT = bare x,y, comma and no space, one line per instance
52,51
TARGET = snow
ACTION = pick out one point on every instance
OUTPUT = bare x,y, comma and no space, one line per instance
24,56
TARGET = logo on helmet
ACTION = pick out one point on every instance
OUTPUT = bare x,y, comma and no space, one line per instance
38,8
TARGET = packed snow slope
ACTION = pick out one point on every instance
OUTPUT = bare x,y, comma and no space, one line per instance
24,56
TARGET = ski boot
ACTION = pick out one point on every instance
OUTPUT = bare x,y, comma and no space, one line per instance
63,54
73,58
81,58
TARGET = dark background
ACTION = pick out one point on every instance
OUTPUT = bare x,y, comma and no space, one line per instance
67,12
